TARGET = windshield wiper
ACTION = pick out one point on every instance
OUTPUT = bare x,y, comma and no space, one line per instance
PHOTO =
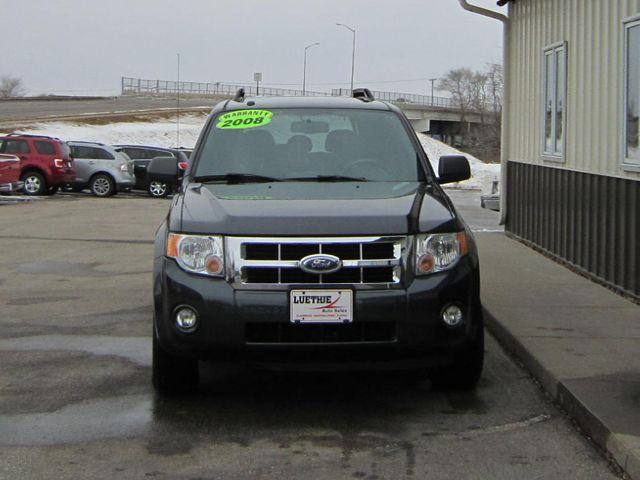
326,178
236,178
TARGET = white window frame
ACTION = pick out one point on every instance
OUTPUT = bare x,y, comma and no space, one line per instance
629,164
554,50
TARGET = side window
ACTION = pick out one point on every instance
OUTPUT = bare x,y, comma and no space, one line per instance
134,153
631,130
101,154
555,92
151,153
15,146
79,152
75,152
45,148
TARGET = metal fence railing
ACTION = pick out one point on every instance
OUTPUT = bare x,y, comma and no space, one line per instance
398,97
142,86
160,87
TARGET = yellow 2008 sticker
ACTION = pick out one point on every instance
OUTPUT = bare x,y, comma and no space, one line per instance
244,119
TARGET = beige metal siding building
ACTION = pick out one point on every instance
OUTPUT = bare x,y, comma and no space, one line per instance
592,33
572,145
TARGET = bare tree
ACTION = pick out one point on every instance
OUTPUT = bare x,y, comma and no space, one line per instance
11,87
477,93
456,82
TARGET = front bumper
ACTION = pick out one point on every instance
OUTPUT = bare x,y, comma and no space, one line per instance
225,313
11,187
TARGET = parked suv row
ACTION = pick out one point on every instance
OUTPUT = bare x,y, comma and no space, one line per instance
45,162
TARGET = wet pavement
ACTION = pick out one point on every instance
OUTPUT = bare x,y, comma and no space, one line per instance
76,400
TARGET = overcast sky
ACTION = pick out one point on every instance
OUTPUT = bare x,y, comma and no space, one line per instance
85,46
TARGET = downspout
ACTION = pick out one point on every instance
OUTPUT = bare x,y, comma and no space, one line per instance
504,136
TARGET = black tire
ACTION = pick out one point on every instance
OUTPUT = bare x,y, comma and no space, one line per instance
158,189
102,185
465,371
34,183
171,374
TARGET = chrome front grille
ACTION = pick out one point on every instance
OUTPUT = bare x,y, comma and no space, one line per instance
275,261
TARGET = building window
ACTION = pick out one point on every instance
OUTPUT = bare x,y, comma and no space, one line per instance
632,92
555,93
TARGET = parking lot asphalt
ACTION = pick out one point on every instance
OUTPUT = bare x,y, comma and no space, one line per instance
76,399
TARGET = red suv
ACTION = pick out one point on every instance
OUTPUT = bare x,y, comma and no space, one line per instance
45,162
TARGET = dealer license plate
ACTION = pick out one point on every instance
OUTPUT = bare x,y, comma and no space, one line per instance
321,306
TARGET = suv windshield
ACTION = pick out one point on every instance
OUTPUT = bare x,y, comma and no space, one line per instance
308,144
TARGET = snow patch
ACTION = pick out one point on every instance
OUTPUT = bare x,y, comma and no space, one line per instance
161,133
482,174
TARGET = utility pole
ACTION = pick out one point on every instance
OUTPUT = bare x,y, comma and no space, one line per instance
304,71
178,105
432,80
353,51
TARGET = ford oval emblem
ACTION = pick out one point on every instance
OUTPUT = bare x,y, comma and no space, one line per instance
320,264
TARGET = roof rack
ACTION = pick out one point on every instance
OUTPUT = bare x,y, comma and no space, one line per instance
31,135
363,94
239,95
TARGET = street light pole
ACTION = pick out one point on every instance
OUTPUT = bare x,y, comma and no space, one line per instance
178,104
304,71
432,80
353,51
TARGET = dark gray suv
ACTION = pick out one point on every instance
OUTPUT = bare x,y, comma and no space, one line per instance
142,156
312,233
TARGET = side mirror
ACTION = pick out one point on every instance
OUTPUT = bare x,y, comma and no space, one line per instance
453,168
163,170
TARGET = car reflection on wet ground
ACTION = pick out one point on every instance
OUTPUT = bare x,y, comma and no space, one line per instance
76,399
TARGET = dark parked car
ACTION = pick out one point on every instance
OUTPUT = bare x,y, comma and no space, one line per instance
142,155
45,162
312,233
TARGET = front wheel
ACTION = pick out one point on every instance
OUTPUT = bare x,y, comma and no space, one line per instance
34,183
466,369
171,374
158,189
102,185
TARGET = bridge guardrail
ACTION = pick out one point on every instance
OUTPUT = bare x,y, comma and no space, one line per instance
160,87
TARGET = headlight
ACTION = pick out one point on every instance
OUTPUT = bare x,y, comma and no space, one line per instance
197,253
438,252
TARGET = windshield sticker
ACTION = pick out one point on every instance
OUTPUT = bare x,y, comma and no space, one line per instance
244,119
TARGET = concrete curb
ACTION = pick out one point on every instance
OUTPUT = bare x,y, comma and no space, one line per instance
616,446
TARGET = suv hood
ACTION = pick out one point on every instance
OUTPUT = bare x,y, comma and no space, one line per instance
312,208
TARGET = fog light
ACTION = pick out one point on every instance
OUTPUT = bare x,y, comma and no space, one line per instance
452,315
186,319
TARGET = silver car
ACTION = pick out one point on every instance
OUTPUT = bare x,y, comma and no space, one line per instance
101,169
